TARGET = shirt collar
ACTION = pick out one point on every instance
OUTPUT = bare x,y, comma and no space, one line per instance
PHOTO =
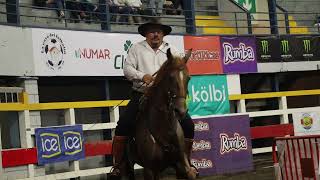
161,48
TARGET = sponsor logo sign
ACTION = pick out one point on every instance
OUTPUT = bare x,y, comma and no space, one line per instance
78,53
56,144
307,48
307,45
222,145
268,49
265,46
235,143
306,123
288,48
120,58
54,50
285,46
208,95
238,54
205,57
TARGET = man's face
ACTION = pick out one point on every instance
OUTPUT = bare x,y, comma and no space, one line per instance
154,37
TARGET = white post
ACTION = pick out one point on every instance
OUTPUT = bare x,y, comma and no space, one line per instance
284,119
32,120
25,136
1,168
114,116
241,104
70,119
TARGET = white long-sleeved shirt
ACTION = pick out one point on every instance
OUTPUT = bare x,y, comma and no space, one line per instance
142,60
133,3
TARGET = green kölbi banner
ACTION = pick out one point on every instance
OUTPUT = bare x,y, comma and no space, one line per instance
208,95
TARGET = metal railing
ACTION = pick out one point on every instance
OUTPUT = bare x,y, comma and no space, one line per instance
236,21
70,119
10,94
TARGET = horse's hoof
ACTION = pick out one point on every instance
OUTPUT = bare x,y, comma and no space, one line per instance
193,173
193,168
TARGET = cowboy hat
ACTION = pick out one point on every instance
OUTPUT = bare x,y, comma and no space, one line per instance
154,24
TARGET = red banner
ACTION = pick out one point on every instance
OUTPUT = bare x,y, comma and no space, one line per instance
205,57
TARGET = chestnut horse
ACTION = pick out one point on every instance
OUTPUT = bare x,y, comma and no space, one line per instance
158,142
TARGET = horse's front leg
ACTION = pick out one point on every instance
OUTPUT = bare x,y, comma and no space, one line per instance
184,169
150,174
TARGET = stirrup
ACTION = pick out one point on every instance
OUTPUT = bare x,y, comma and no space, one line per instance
115,172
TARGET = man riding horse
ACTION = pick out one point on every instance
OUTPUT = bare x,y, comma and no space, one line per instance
143,61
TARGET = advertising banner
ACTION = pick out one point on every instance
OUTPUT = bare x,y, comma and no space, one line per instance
203,155
78,53
268,49
222,145
57,144
306,123
288,48
208,95
238,54
307,48
205,57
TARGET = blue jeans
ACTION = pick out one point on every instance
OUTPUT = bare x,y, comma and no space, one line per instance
155,6
58,5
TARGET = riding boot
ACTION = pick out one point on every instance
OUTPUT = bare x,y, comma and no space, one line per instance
188,149
118,148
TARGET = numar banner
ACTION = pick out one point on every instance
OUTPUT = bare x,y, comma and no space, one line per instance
208,95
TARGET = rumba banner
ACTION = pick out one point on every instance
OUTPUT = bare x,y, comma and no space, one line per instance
238,54
222,145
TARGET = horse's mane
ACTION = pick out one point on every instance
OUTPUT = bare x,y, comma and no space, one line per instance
167,67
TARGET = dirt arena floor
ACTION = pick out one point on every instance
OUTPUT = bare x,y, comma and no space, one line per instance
263,170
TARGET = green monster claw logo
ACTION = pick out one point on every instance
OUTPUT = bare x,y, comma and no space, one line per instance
127,46
285,46
265,46
307,45
306,121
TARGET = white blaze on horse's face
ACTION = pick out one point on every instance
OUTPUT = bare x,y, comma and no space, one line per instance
181,76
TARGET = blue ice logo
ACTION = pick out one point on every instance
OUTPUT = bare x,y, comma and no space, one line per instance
72,142
50,145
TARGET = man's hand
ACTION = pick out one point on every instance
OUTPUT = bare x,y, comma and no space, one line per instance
147,79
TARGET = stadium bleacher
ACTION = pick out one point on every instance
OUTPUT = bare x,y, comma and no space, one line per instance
211,17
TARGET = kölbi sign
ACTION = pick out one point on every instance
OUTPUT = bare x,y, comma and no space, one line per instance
208,95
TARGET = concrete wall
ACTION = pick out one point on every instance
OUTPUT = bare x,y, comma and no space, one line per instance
16,51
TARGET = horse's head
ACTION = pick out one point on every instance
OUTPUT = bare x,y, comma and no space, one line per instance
178,78
171,83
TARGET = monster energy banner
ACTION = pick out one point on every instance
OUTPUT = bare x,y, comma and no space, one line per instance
268,49
287,48
299,48
308,48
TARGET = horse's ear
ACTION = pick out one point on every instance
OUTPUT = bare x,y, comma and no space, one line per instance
169,55
187,56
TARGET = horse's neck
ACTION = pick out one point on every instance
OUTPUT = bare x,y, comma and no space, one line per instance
158,98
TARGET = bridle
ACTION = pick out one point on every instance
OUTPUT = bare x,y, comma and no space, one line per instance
173,97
